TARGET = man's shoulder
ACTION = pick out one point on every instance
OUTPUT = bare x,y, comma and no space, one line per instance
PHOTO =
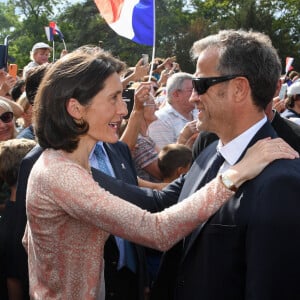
287,130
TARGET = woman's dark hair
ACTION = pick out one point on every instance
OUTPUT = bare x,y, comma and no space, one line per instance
80,75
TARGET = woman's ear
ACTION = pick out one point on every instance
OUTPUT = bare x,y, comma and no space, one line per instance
74,108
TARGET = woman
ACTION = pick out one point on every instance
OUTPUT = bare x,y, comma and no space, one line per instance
145,153
8,111
69,216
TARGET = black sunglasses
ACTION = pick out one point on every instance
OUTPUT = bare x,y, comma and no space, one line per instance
7,117
202,84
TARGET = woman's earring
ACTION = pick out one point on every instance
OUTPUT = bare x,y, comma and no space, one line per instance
80,122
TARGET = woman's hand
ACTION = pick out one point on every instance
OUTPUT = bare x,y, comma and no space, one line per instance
257,157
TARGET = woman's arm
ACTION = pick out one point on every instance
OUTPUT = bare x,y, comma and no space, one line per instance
97,207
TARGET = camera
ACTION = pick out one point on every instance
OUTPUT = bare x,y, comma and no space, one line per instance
128,97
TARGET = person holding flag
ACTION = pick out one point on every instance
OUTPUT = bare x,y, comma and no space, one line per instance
39,55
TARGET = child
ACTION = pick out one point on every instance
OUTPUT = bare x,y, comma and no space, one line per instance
174,160
39,55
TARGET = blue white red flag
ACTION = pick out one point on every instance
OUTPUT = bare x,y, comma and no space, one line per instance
55,30
49,33
132,19
288,64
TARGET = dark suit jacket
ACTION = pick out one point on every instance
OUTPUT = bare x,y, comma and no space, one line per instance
125,172
249,249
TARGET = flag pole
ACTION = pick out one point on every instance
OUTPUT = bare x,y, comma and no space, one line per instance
154,39
53,53
63,40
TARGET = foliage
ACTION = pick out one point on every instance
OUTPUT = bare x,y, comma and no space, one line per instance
178,25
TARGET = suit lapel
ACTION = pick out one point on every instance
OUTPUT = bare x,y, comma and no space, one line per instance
194,177
265,131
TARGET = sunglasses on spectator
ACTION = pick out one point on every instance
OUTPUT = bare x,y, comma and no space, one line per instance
202,84
7,117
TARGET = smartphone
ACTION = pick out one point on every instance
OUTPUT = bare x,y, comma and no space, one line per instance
13,70
128,97
3,57
145,59
283,90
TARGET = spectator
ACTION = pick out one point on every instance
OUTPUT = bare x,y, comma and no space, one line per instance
39,55
18,89
145,152
26,118
65,239
292,111
174,160
7,83
11,153
176,113
33,80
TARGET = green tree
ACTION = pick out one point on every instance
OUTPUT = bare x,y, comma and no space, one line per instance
178,25
278,19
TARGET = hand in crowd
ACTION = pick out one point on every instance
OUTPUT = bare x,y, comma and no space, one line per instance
168,63
188,134
279,104
7,82
140,70
164,75
141,95
63,53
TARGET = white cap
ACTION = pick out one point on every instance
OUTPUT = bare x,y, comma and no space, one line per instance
40,46
294,89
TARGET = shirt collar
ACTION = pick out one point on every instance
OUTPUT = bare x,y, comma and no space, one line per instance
234,149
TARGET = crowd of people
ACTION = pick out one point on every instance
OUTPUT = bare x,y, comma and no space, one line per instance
119,184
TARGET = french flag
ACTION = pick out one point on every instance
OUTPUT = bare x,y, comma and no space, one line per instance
56,30
132,19
288,64
49,33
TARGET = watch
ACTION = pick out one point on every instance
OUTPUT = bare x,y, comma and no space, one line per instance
228,183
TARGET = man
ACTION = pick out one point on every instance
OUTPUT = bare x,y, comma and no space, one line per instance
249,249
176,112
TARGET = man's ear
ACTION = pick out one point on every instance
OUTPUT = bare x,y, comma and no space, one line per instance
74,108
241,88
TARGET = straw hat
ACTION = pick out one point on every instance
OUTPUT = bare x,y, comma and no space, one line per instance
16,108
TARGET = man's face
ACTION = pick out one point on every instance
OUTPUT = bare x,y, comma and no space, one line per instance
214,105
184,95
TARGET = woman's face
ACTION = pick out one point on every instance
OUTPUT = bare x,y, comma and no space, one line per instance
7,130
106,111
